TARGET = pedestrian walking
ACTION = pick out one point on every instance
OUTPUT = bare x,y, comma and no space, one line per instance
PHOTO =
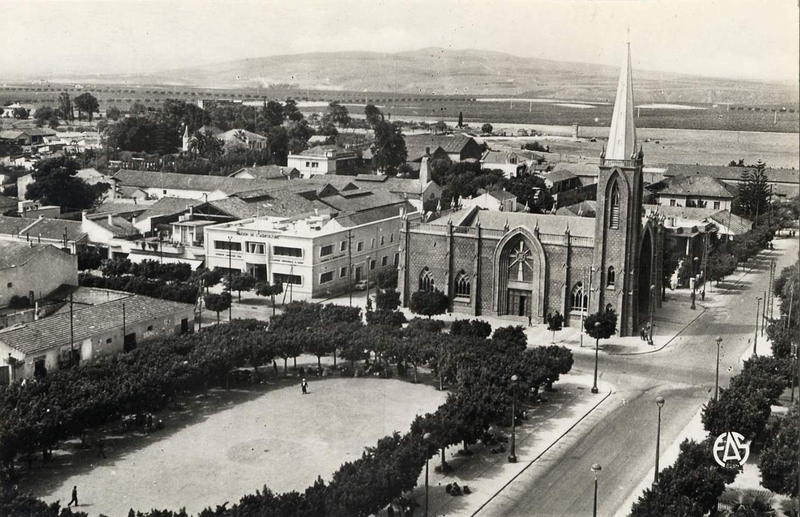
530,320
74,497
304,387
101,448
275,367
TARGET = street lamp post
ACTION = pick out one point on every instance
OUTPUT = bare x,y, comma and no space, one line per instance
796,356
596,355
652,311
694,283
660,404
512,458
426,438
595,468
716,380
230,270
755,338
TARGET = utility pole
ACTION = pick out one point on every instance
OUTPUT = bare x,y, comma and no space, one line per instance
755,338
350,265
124,332
764,314
583,311
71,334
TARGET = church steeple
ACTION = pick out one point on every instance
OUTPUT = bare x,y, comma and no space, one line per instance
622,137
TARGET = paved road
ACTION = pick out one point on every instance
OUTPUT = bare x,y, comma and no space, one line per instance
621,436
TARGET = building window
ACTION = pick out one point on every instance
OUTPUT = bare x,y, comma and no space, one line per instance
385,260
609,307
610,277
10,285
108,341
671,202
228,245
149,328
326,277
324,251
716,205
284,251
426,282
283,278
343,272
165,192
579,298
382,240
396,259
343,246
614,219
462,285
255,248
360,246
308,164
391,237
372,243
372,264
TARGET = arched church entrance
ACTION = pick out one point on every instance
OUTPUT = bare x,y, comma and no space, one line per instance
520,278
646,280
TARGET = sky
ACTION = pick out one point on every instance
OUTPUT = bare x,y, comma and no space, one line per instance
744,39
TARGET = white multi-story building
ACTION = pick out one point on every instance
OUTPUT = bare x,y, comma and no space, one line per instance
314,255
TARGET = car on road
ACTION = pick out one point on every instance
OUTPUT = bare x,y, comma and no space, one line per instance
362,285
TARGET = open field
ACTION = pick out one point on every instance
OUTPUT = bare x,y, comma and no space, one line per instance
236,442
423,107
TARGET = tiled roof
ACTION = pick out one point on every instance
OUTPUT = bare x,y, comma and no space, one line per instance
375,214
495,220
54,331
7,202
13,225
168,206
322,150
501,157
129,191
234,134
579,169
176,181
417,152
278,203
735,224
128,209
731,173
695,185
450,143
268,172
366,201
17,253
121,228
682,212
50,228
558,176
502,195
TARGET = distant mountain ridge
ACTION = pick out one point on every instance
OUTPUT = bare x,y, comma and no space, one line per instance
466,72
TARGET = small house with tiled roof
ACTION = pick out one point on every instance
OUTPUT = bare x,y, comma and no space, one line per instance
697,190
459,147
266,172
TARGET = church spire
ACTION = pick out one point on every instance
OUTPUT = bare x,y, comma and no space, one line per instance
622,137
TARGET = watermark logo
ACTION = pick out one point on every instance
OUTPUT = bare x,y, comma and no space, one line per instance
731,448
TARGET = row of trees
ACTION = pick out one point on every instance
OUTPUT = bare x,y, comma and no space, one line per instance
55,184
86,103
36,416
694,484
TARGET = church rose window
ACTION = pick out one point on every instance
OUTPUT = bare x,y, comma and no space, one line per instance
610,277
462,285
614,220
426,282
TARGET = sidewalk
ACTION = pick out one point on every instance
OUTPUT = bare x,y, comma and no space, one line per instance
485,473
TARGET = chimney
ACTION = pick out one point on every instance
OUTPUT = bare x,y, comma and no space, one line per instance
191,211
205,197
424,173
316,211
110,220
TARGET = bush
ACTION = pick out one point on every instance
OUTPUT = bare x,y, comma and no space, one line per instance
429,303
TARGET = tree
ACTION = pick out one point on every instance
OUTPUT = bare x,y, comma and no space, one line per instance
373,114
43,115
65,107
778,462
555,322
87,103
55,184
474,328
338,114
271,290
460,119
440,127
754,192
531,191
387,300
272,113
89,257
607,327
218,302
291,112
487,129
429,303
390,147
113,113
240,282
386,278
735,409
720,265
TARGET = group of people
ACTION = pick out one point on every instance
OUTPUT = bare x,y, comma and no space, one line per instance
644,333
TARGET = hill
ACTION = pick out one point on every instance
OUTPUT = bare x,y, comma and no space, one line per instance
470,72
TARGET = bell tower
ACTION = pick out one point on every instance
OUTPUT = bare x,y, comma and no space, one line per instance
618,223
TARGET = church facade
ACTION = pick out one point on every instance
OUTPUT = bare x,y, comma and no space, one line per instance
521,266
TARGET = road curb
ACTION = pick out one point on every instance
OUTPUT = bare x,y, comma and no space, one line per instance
670,339
534,460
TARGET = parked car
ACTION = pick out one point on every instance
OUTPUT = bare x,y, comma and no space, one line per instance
361,285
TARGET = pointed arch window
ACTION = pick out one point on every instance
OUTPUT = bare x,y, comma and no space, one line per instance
611,277
614,215
462,285
579,298
426,282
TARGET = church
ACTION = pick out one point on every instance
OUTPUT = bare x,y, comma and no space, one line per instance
520,266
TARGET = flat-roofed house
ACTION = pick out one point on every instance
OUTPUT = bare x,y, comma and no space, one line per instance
324,159
33,271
